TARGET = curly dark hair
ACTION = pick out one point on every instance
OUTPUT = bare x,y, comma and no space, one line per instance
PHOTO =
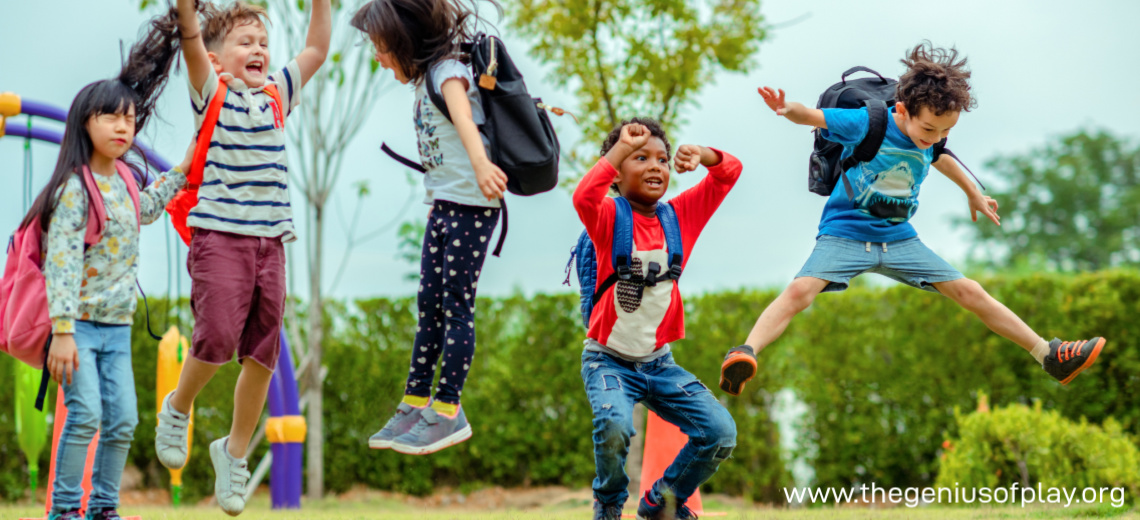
418,33
937,79
655,130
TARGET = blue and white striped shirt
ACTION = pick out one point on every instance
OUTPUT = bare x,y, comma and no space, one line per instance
245,183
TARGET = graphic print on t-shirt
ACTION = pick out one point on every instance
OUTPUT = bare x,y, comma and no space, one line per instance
640,307
890,194
430,154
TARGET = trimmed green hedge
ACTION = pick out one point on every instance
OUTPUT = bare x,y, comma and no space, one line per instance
880,372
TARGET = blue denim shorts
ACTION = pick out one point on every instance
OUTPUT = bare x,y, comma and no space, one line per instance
909,261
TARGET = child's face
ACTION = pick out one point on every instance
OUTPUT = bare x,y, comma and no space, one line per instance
245,54
112,134
924,128
644,175
386,60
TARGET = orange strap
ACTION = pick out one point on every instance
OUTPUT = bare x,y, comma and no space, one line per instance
205,134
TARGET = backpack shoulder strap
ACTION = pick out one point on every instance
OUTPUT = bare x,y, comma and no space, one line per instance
667,215
205,134
622,253
96,211
940,149
435,95
877,114
132,188
278,106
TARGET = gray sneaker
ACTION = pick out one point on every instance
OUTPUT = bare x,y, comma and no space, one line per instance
231,476
405,419
434,432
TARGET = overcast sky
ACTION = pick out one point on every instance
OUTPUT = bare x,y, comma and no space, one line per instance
1041,69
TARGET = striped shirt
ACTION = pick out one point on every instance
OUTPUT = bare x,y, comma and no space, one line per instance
245,183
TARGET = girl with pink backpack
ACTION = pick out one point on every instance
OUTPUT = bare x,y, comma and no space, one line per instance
83,233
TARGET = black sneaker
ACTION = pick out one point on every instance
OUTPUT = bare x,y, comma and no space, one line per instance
666,510
604,512
1066,359
738,368
104,514
70,514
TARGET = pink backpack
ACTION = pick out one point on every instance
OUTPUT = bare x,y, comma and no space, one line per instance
25,327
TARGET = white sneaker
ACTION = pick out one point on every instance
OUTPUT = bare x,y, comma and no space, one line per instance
170,435
231,476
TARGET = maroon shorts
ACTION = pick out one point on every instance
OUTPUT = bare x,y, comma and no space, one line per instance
237,294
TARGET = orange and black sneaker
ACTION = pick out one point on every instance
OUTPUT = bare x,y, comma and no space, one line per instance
738,368
1066,359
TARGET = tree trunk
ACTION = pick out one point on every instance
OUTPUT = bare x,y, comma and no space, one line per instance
316,437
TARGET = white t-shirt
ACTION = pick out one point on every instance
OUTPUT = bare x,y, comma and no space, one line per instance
245,183
450,175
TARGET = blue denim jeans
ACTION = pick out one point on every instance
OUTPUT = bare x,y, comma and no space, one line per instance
101,395
613,385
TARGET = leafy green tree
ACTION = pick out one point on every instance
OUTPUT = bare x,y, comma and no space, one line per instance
1071,205
637,57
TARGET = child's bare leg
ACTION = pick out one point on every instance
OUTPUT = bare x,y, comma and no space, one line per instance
195,375
771,324
739,365
972,297
249,400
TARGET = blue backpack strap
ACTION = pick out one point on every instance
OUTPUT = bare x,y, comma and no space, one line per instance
668,218
623,238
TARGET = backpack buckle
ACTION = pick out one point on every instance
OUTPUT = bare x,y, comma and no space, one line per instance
623,270
651,272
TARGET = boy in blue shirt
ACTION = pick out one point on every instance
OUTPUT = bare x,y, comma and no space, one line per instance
871,232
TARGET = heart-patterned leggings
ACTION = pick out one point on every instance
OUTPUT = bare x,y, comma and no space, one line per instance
455,246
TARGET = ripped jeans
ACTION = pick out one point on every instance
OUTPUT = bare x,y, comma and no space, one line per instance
613,385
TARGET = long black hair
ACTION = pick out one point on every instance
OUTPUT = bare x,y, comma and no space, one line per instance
419,33
139,84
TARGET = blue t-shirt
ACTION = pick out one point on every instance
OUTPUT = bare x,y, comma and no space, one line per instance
886,187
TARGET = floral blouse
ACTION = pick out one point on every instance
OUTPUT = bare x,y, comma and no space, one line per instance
99,284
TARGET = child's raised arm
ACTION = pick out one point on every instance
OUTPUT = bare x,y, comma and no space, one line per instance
316,42
193,48
795,112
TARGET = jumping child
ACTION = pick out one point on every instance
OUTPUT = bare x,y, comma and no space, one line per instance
241,222
412,37
872,233
627,356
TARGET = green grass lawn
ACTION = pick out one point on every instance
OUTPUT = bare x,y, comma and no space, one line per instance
395,510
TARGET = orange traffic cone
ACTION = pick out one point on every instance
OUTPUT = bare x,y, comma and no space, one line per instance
663,441
57,428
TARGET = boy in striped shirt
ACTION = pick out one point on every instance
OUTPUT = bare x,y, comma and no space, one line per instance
241,221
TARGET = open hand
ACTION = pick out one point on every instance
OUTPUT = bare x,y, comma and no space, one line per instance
492,181
63,357
986,205
634,135
774,99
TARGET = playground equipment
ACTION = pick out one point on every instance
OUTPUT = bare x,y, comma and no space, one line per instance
286,427
31,424
172,352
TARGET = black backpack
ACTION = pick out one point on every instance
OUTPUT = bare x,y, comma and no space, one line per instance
522,140
878,94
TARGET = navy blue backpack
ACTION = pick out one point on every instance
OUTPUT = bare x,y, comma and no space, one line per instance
623,256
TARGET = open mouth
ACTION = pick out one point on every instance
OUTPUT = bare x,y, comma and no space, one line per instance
654,182
256,68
